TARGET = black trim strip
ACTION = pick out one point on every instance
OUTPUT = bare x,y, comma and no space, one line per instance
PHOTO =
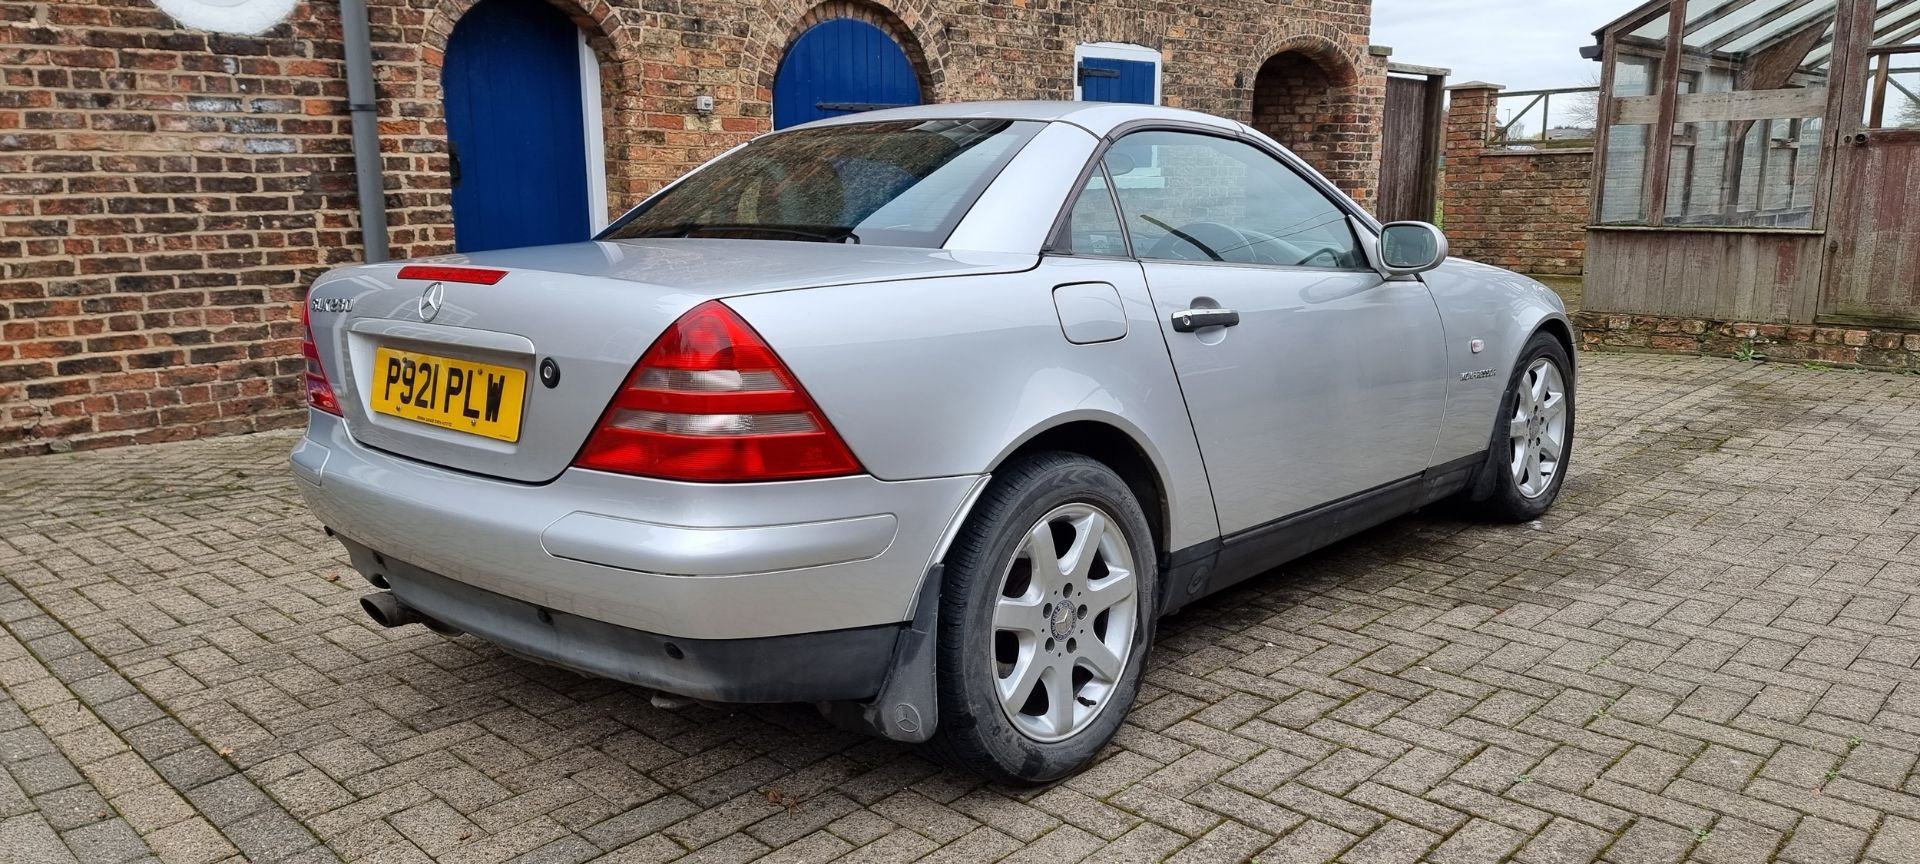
1205,568
861,106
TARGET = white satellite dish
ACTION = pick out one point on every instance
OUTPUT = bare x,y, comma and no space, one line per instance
248,17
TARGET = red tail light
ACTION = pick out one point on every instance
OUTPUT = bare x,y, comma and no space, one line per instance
319,389
710,402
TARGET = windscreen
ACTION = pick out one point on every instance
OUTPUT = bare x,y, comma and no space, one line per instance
894,183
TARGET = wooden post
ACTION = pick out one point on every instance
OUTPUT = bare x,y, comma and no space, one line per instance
1881,78
1853,34
1436,144
1602,136
1660,143
1846,92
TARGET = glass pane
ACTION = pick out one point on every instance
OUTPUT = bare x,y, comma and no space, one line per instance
1893,79
1710,22
1896,22
1190,197
1765,178
1654,31
1747,130
1093,227
1623,184
1729,28
897,183
1903,96
1775,28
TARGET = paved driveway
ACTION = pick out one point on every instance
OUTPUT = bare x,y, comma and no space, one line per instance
1709,651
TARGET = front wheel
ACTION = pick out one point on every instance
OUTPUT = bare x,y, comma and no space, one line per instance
1045,621
1532,444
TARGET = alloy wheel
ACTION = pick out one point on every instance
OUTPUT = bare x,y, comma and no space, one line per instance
1539,428
1064,622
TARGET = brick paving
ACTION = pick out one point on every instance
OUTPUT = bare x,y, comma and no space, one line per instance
1709,651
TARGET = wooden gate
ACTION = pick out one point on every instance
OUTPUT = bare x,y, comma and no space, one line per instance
1411,142
1873,264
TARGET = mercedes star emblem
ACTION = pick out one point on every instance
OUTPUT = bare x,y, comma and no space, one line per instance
430,301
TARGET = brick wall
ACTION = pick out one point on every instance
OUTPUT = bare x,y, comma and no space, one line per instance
1310,98
1518,209
166,195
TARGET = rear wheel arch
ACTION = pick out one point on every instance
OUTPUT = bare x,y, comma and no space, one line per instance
1117,448
1104,440
1008,712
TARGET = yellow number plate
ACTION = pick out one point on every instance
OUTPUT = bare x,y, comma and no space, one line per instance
480,398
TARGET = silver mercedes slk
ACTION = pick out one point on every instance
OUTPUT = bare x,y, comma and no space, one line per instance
925,416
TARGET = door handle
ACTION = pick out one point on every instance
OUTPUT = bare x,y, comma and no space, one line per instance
1190,320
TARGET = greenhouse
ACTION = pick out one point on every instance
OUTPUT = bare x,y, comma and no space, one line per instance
1760,162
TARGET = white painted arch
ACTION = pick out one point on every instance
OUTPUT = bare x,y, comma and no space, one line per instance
245,17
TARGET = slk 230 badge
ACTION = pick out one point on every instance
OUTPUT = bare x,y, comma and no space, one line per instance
332,304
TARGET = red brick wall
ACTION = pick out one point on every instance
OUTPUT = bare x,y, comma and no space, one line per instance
1522,210
166,195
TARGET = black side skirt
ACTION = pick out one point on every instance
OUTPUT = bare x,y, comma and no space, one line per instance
1202,569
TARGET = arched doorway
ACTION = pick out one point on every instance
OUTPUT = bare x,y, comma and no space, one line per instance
842,66
522,91
1293,104
1310,101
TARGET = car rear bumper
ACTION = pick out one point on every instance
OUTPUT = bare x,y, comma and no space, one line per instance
680,560
840,665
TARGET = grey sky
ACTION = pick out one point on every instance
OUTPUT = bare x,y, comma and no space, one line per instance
1524,44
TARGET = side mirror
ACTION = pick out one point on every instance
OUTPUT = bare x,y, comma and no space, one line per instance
1407,248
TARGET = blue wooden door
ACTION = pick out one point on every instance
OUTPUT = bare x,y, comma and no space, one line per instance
515,122
840,67
1104,79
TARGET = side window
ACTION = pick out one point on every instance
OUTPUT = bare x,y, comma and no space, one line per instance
1192,197
1093,226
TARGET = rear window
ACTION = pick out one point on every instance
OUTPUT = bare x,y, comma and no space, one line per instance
896,183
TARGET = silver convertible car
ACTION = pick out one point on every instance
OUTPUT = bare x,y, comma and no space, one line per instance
925,416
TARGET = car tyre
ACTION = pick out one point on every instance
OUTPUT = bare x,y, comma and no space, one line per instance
1049,593
1533,437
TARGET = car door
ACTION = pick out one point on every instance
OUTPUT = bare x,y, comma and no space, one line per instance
1309,378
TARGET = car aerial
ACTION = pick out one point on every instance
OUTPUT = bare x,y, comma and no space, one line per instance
925,416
